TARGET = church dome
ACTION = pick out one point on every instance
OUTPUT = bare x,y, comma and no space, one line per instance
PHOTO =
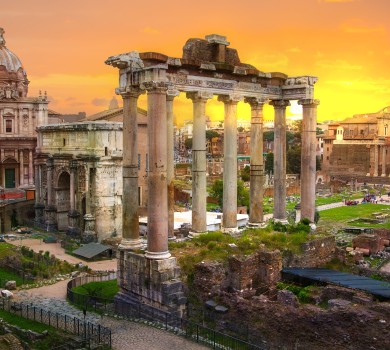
7,58
12,75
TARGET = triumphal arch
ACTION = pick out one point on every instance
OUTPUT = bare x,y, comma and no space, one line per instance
207,68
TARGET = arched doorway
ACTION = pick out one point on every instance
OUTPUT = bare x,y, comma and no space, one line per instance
63,200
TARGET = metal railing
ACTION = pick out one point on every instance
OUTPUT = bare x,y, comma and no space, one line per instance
96,334
158,318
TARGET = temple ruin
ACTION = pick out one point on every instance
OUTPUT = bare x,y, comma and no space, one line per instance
208,67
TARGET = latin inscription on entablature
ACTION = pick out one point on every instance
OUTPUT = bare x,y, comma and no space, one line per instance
201,82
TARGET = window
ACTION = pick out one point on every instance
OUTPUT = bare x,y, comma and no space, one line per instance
8,125
147,162
139,161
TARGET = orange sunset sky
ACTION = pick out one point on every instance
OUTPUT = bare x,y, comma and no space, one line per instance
63,46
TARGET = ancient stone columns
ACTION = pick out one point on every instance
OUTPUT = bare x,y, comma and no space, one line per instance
130,230
170,166
21,167
308,158
376,153
50,209
229,220
256,165
199,214
157,176
280,160
73,215
383,161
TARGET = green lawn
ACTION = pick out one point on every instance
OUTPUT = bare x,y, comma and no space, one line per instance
346,214
105,290
9,276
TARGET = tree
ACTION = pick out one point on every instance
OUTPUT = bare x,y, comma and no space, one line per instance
216,191
240,129
188,143
269,163
246,174
211,134
268,136
293,160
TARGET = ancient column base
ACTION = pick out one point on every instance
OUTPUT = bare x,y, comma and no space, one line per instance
233,231
73,227
149,287
88,237
173,238
193,234
158,255
282,221
39,219
131,244
50,221
256,224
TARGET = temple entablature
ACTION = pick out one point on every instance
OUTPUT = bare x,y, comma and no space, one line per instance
209,65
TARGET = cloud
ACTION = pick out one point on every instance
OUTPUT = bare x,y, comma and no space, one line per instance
364,29
149,30
68,99
338,64
381,86
269,61
334,1
294,50
100,102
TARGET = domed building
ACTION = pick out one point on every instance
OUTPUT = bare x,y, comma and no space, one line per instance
19,117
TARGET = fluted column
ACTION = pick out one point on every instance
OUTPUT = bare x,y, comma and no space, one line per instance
73,215
383,161
199,193
50,210
157,175
130,220
170,165
280,160
30,168
89,233
21,168
376,154
308,158
257,163
73,168
229,219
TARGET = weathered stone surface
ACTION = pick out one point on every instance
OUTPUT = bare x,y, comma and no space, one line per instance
338,304
11,285
286,297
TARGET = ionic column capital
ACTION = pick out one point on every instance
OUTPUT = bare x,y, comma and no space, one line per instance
50,163
256,103
308,102
230,99
280,103
73,165
199,95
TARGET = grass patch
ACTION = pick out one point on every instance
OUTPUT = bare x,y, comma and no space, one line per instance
348,213
6,276
105,289
54,338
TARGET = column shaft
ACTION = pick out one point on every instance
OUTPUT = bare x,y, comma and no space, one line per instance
376,160
170,165
30,167
37,185
257,164
280,159
21,168
199,193
72,188
383,161
308,158
230,165
157,176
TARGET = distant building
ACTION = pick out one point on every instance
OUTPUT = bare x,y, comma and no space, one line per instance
19,117
358,148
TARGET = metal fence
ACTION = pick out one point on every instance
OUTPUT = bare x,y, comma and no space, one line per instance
158,318
96,334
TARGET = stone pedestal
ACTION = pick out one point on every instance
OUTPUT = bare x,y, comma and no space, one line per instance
89,234
73,224
150,284
39,214
50,218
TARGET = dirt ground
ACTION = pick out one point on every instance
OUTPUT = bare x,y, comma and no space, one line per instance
55,248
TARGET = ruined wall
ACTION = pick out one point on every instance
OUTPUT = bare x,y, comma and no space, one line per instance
350,158
315,253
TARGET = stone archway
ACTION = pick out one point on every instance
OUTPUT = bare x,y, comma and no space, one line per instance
62,200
